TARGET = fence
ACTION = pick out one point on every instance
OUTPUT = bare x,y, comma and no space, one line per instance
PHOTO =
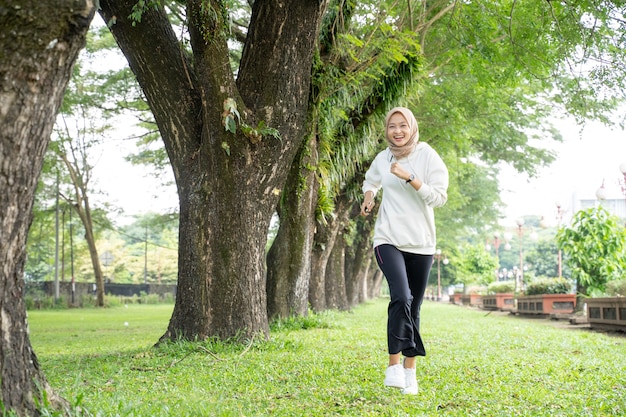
81,289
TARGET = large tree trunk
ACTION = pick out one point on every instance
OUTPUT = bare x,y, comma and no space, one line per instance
357,260
292,258
335,279
374,280
324,239
228,175
39,43
364,290
335,284
289,258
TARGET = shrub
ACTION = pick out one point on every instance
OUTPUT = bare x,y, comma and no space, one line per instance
87,301
475,289
501,287
616,288
549,286
112,300
148,298
168,298
43,302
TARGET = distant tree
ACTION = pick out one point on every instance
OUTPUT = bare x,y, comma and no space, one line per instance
79,170
95,95
41,241
473,202
543,259
152,242
476,266
595,244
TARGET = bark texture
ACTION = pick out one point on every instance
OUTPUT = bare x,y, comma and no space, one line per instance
228,175
335,283
358,260
324,240
39,43
374,280
289,258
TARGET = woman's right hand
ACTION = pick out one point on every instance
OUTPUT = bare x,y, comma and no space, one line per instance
368,204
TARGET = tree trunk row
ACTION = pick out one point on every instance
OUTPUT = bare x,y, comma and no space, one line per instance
341,275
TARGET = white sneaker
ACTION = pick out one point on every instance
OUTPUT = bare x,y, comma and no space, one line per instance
410,384
395,377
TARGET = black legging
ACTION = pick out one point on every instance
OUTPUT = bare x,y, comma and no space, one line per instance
407,276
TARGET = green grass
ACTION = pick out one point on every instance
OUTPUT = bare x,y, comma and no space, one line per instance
478,364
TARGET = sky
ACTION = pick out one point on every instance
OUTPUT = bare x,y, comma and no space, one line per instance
586,158
128,187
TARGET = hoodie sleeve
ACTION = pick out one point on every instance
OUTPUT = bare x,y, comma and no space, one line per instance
434,189
373,177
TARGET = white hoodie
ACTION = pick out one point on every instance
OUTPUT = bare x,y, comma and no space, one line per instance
406,217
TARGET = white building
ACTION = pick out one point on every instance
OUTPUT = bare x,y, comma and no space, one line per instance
613,205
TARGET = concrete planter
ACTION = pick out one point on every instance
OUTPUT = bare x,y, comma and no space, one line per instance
502,302
456,298
546,304
608,312
472,300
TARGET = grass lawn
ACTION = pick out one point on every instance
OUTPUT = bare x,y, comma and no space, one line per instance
478,364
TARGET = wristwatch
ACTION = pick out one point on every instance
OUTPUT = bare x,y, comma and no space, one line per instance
411,178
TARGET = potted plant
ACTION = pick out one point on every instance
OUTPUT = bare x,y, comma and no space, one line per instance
547,296
610,311
499,296
594,245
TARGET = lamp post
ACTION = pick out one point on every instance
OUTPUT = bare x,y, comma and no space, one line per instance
439,256
496,243
622,183
520,234
507,238
559,219
601,193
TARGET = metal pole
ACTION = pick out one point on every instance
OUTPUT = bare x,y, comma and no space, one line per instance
559,216
438,277
72,256
145,258
521,259
520,233
56,244
622,168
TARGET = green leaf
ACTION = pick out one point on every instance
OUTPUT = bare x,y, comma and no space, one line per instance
230,125
226,148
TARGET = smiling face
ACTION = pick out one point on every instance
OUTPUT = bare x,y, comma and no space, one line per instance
398,131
